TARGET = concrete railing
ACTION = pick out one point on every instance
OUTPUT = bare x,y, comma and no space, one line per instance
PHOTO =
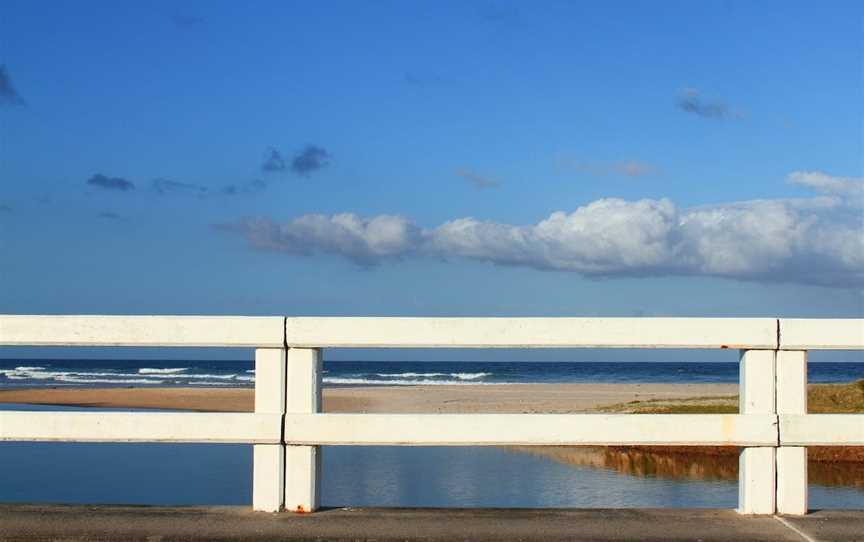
287,428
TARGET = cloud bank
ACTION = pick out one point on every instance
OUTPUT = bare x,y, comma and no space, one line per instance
807,241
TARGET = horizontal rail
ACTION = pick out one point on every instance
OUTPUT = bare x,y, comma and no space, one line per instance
738,333
217,331
141,427
822,430
821,334
531,429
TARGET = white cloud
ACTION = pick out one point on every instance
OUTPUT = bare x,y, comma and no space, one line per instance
364,241
606,236
845,187
806,240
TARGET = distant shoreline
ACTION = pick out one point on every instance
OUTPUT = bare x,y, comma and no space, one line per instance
489,398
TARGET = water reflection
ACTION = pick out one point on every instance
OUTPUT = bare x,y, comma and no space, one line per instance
680,463
496,477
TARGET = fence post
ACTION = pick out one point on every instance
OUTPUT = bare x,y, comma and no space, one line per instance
268,460
756,474
303,463
791,460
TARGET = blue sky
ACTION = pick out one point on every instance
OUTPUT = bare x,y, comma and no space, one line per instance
432,158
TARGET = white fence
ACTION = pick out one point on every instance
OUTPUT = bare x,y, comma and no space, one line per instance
287,427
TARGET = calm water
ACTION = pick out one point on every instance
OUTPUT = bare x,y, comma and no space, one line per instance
375,476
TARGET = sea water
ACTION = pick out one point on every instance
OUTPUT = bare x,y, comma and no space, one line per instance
198,373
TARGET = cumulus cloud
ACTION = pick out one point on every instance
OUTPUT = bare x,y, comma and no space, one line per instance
690,101
478,181
8,95
274,162
309,160
608,236
110,183
794,240
365,241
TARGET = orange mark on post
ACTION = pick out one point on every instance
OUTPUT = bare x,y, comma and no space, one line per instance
723,346
300,509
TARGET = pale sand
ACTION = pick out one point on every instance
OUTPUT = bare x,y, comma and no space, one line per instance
518,398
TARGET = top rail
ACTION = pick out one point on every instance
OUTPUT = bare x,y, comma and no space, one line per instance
821,334
747,333
220,331
389,332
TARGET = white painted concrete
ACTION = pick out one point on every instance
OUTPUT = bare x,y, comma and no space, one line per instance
756,474
792,480
268,477
821,334
302,478
792,461
303,463
268,473
822,430
533,332
141,427
222,331
530,429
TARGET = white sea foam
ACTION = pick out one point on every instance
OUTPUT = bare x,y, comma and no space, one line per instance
143,376
78,380
469,376
401,382
194,376
409,375
459,376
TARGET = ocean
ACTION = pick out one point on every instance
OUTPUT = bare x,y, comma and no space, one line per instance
106,372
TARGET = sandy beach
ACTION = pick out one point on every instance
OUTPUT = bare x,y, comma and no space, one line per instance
518,398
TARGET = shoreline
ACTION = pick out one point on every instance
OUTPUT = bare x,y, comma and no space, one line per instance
465,398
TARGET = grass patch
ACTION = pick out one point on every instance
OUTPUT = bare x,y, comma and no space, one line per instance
821,399
839,398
